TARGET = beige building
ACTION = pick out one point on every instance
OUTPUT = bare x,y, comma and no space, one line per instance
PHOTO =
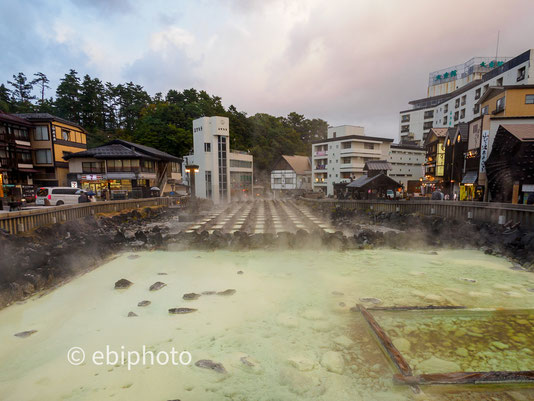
406,163
342,156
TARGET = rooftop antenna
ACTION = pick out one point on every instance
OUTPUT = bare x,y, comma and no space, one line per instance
497,49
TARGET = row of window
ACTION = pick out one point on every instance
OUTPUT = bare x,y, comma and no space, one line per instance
20,134
240,163
127,165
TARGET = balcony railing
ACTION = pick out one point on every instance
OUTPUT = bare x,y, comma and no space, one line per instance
320,153
320,167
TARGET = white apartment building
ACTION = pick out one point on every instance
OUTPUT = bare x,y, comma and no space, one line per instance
449,108
342,155
221,175
406,163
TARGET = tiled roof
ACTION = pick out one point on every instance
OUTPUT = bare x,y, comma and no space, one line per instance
125,150
523,132
12,118
47,117
377,165
299,164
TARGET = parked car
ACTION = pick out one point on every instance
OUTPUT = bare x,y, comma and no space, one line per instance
56,196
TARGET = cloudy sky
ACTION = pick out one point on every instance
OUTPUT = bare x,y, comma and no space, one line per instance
346,61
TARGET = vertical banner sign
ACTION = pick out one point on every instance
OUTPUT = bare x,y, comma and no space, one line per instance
484,143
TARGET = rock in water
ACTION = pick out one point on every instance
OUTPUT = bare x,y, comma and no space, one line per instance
162,274
226,292
24,334
240,272
122,284
436,365
469,280
402,344
181,311
371,300
208,364
144,303
132,257
158,285
333,362
191,296
132,314
209,292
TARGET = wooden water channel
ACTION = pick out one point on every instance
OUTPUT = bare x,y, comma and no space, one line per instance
261,217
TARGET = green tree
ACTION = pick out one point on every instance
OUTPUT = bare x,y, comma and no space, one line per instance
92,107
42,81
5,99
68,103
21,94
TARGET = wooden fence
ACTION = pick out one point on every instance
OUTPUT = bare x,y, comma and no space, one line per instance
26,220
497,213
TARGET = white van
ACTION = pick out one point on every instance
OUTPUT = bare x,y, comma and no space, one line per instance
56,196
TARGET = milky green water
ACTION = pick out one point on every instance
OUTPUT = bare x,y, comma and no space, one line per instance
290,318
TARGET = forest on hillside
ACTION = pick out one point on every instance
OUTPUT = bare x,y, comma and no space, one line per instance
127,111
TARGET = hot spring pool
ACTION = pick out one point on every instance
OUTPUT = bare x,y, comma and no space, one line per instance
286,334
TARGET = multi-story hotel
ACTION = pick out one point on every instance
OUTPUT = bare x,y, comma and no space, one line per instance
454,93
220,175
341,157
406,164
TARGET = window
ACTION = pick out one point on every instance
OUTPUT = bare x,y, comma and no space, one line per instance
277,180
429,114
445,120
288,180
345,160
462,113
223,179
499,82
529,99
207,148
521,74
457,103
147,166
209,190
24,157
92,167
428,125
20,134
464,99
500,105
477,93
41,133
240,163
486,87
43,156
65,134
476,109
485,110
405,118
446,108
346,145
405,128
456,115
368,145
65,191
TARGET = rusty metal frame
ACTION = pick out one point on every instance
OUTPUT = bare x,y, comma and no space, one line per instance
406,375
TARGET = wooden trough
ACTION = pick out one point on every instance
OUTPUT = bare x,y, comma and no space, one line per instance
406,375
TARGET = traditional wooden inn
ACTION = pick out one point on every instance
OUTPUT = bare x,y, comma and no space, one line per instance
122,170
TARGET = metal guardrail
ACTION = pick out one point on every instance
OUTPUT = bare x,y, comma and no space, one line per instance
26,220
497,213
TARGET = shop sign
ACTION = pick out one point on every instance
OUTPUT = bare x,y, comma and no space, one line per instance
484,144
528,188
74,184
91,177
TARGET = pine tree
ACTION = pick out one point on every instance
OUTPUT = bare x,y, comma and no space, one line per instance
68,97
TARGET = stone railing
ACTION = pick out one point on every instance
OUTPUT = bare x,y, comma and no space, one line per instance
26,220
497,213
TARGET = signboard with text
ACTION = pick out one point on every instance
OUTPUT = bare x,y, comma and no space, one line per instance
484,145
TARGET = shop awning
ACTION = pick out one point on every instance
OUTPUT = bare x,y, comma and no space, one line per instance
470,177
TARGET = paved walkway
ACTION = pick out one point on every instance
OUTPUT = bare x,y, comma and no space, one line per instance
261,216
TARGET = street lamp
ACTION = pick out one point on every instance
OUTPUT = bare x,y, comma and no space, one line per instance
192,169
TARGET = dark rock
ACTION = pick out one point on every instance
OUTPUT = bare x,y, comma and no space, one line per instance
208,364
132,257
162,274
141,236
157,286
132,314
227,292
337,293
122,284
144,303
371,300
24,334
181,311
209,292
191,296
240,272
